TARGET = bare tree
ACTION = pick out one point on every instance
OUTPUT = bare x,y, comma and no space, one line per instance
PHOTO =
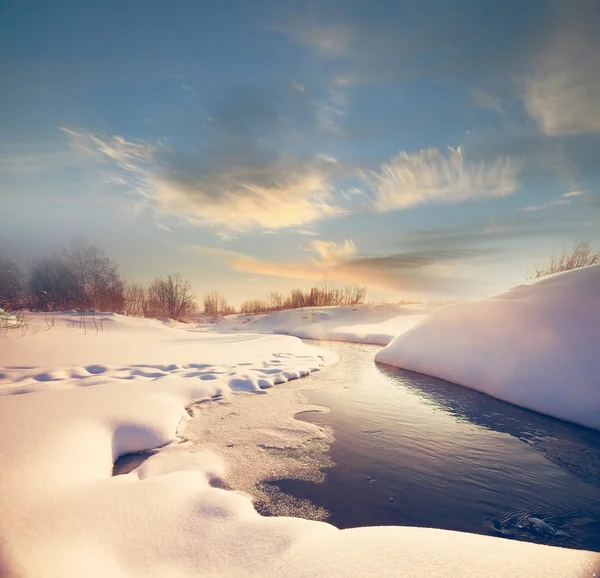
136,302
172,297
11,284
216,304
53,285
99,283
275,301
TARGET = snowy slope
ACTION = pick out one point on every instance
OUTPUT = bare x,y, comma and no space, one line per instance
73,402
536,346
375,324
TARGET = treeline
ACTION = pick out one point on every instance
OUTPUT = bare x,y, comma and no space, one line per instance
83,277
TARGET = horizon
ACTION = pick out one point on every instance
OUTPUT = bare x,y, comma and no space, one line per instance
430,151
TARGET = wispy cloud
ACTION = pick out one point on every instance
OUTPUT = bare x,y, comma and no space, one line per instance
331,253
553,203
563,93
332,111
186,88
35,158
403,40
332,41
425,272
128,155
275,194
430,175
486,101
565,199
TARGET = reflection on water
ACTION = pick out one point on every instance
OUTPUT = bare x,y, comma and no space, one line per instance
415,450
576,448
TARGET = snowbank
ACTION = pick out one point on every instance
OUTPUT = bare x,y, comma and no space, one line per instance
7,319
76,398
536,346
374,324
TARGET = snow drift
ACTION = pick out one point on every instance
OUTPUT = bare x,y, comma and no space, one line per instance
74,401
374,324
536,346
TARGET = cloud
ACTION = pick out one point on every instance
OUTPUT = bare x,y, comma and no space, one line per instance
563,93
243,165
331,253
566,199
544,54
240,198
430,175
552,203
442,262
486,101
387,42
275,193
128,155
35,158
415,271
331,41
332,111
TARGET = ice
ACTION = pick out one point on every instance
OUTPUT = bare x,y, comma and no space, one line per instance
535,346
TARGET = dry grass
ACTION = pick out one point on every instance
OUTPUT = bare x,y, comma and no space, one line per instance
566,259
313,297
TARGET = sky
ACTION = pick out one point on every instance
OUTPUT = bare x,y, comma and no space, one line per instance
429,149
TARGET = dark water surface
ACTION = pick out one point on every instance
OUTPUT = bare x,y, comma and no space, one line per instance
415,450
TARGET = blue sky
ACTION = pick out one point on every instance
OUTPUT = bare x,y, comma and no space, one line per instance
429,149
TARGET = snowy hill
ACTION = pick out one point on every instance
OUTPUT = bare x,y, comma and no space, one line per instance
535,346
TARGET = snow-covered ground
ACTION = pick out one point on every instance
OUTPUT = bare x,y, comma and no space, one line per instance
7,320
536,346
78,395
374,324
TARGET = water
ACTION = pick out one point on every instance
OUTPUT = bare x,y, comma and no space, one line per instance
415,450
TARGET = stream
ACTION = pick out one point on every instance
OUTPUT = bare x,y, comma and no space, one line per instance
418,451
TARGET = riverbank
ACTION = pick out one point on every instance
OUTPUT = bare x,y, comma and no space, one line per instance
75,399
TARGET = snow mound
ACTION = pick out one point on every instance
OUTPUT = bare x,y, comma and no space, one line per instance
76,399
7,319
374,324
535,346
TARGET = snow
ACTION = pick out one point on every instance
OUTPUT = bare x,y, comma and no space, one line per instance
374,324
79,391
535,346
7,319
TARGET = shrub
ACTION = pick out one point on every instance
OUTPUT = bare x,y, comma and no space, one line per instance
99,285
53,285
313,297
172,297
136,302
215,304
255,307
581,255
11,285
